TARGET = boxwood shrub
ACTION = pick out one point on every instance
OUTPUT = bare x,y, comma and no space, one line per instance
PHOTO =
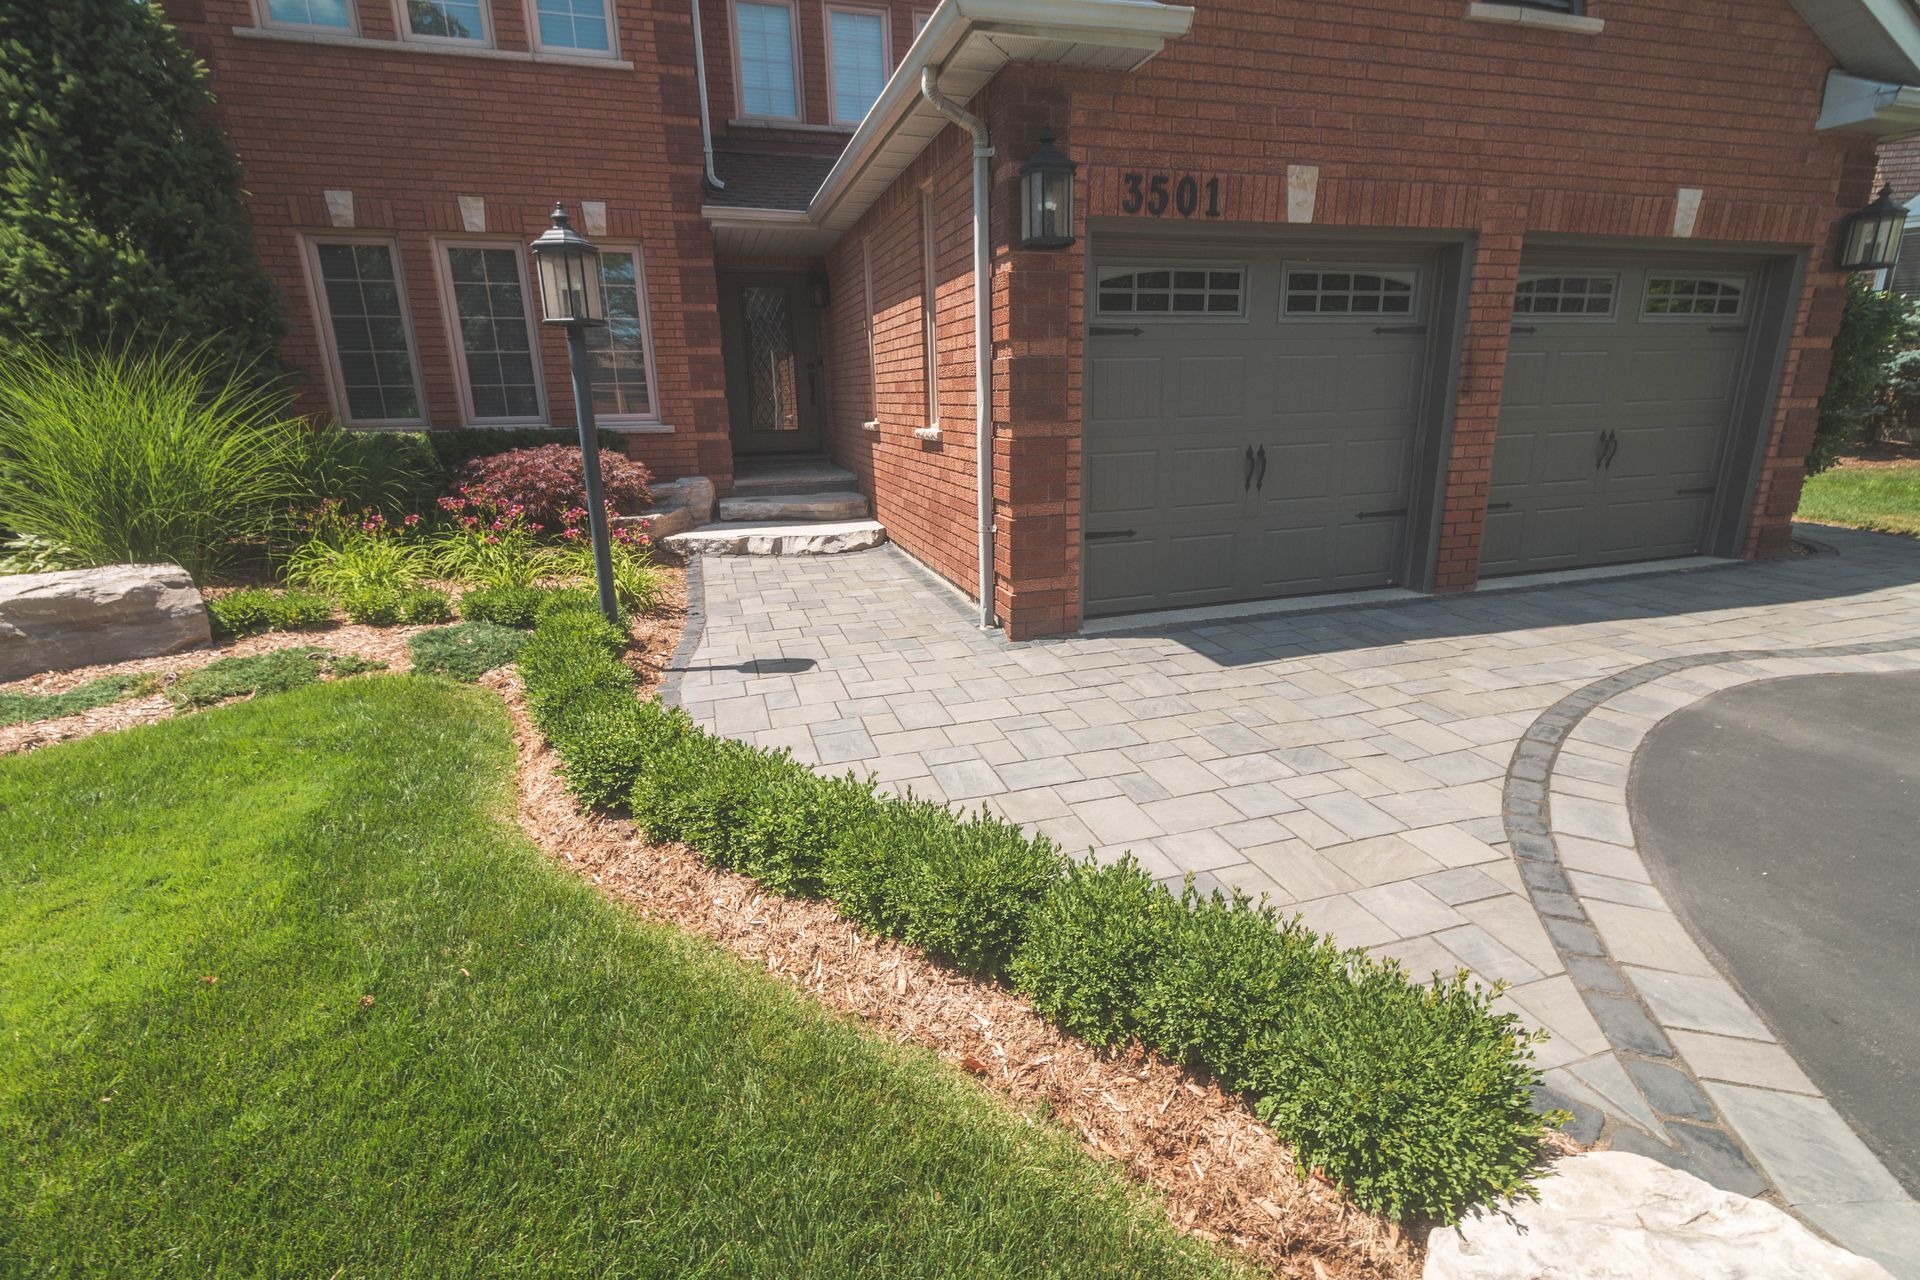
252,610
1415,1097
504,606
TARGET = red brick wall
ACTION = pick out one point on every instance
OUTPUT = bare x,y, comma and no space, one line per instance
409,132
1900,167
1417,118
923,490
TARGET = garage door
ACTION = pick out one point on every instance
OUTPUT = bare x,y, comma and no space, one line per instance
1619,397
1250,426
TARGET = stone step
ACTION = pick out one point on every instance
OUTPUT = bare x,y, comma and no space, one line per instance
779,538
831,505
791,475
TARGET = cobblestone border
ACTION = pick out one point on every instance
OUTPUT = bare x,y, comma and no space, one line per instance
690,635
1707,1144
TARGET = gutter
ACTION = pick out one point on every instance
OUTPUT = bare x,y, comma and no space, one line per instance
982,330
706,122
1881,108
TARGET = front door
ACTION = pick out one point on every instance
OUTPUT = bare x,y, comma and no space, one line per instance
775,394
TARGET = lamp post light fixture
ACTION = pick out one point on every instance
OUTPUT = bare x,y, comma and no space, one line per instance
1870,237
568,265
1046,197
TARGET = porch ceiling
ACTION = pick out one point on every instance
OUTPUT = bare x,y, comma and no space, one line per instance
968,41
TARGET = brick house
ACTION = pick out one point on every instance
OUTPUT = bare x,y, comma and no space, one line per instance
1388,294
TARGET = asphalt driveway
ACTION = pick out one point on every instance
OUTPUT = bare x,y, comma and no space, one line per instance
1782,821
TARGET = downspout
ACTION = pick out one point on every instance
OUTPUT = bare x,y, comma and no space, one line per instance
982,330
706,125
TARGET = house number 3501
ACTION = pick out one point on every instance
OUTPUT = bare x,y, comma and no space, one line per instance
1157,193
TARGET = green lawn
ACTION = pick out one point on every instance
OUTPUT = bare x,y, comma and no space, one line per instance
1884,498
539,1086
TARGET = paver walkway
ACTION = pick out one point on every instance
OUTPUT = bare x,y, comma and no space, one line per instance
1353,765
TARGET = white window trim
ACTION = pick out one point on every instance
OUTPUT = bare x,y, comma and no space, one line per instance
263,16
827,9
310,243
457,347
1243,316
929,307
1416,307
646,341
1555,273
403,24
739,79
612,54
873,355
921,17
1743,282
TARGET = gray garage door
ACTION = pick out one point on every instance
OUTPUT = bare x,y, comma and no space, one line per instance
1250,426
1619,395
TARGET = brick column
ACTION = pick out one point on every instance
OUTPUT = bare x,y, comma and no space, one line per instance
1038,300
1483,368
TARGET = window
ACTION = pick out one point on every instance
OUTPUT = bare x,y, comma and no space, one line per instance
1218,292
1319,291
1557,6
575,26
920,19
764,50
1691,297
857,61
320,15
1584,296
364,328
487,292
462,21
929,320
621,351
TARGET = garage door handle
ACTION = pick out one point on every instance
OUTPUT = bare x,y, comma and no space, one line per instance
1111,533
1379,515
1499,506
1613,448
1727,328
1399,328
1113,331
1261,483
1698,493
1247,483
1522,328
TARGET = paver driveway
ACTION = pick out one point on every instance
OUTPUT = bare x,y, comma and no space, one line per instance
1350,764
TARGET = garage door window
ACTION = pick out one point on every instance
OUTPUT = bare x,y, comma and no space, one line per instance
1566,297
1218,293
1693,297
1320,292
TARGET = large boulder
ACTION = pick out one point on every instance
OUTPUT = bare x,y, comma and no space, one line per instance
1609,1215
83,617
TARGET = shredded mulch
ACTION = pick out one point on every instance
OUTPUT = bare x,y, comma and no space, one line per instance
1222,1175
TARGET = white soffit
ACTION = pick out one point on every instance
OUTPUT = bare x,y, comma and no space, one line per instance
968,41
1876,107
1872,39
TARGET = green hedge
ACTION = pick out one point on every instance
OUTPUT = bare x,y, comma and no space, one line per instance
1415,1097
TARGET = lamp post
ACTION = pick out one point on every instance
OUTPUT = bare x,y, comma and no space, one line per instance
569,269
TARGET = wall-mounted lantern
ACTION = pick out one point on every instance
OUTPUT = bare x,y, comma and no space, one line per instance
1046,197
818,291
1870,237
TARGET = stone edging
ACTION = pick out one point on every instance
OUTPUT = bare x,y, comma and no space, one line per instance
690,634
1656,1103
